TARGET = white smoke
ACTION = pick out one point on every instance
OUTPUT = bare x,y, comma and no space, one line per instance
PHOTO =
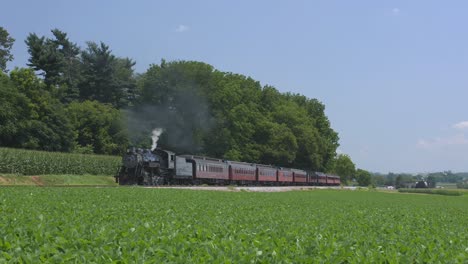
155,137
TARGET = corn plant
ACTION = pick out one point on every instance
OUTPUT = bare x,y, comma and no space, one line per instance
30,162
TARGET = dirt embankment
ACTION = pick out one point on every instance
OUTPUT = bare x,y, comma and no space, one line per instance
17,180
37,180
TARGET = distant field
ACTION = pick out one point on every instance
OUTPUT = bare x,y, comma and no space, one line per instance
63,225
447,185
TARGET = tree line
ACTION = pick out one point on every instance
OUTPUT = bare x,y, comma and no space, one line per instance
89,100
401,180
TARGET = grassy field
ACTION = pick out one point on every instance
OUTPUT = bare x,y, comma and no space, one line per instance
128,225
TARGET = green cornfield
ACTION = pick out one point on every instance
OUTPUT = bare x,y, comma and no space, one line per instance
30,162
154,225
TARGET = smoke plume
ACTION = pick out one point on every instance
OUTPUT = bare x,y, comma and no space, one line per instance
155,137
179,127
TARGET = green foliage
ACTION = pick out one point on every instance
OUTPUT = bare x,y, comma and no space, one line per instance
98,127
29,162
33,118
123,225
344,167
6,43
431,191
363,177
15,111
219,114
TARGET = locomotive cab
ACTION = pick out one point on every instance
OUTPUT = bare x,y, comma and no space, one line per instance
167,158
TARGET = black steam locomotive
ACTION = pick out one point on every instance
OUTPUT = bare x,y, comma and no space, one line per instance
158,167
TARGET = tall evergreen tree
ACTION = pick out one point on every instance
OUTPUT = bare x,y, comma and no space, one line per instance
6,43
58,61
106,78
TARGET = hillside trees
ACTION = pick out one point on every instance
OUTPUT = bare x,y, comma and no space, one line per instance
80,95
232,116
91,74
74,76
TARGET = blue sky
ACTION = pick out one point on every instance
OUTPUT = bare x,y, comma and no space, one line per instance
393,75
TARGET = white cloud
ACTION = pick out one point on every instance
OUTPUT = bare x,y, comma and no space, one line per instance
455,140
461,125
182,28
396,11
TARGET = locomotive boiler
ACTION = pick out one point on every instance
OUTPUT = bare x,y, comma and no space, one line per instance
145,167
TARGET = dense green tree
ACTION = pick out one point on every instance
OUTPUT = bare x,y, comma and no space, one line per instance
363,177
6,43
14,114
97,126
45,125
344,167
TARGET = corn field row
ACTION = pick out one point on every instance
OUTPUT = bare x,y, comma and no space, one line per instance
30,162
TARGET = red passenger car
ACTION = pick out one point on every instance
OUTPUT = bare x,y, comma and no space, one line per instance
208,168
300,176
318,178
266,174
321,178
333,180
285,175
242,172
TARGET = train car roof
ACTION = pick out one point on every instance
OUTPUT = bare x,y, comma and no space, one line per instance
298,170
318,173
241,163
201,158
263,166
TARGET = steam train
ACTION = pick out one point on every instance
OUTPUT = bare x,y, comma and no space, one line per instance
159,167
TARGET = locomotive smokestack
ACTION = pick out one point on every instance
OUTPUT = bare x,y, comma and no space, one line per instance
155,137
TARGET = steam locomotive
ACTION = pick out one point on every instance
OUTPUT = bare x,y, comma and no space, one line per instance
159,167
